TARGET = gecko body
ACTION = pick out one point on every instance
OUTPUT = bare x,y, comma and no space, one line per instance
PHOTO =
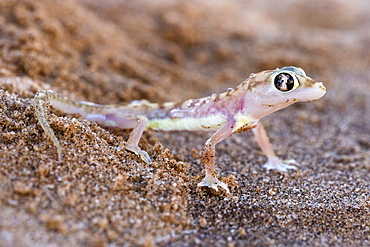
236,110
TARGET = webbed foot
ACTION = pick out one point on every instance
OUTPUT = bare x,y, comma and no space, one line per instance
212,182
144,156
280,165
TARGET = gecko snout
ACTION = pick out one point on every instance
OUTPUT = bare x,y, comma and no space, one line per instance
321,86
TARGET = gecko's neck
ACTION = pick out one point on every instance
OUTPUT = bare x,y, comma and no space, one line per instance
255,107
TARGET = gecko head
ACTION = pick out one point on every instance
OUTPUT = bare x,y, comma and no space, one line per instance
277,89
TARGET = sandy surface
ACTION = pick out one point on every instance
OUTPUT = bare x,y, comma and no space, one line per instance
117,51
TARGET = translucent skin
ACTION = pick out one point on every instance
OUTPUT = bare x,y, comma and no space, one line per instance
222,114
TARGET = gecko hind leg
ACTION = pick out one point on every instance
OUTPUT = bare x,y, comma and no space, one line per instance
139,123
92,112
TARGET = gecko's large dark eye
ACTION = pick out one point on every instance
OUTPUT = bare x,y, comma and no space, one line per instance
284,82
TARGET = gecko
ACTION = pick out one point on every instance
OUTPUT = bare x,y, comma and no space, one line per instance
233,111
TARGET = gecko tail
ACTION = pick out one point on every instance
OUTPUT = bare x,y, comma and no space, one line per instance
40,100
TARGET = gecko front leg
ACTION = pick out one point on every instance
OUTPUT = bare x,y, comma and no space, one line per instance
273,162
208,156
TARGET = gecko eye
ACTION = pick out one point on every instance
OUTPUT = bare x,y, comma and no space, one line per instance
284,82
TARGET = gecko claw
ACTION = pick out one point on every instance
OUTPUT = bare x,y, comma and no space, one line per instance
213,182
280,165
144,156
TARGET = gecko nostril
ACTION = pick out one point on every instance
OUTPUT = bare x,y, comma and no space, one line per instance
321,86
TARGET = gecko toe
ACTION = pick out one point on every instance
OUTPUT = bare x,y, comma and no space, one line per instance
144,156
213,182
281,165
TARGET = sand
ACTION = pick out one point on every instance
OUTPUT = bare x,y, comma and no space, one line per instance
117,51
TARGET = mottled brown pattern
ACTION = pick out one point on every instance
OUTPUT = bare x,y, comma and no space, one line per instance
308,83
246,127
252,84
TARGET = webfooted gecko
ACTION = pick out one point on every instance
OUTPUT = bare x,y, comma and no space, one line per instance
235,110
